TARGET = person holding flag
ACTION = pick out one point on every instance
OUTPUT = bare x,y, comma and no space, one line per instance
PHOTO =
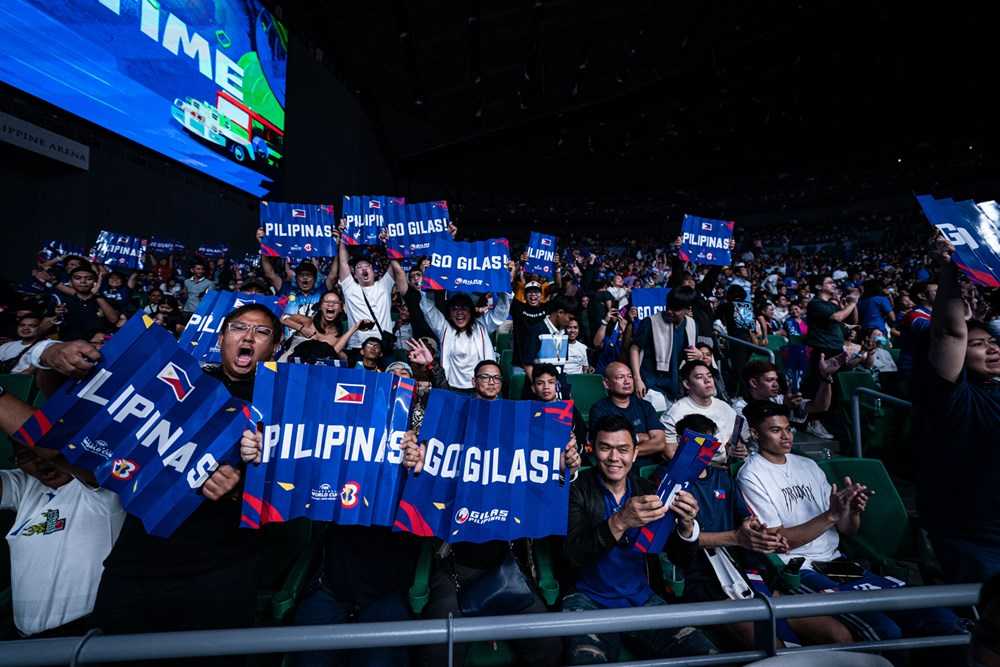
609,505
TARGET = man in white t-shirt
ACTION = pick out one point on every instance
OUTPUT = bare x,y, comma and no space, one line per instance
365,297
16,351
697,379
63,531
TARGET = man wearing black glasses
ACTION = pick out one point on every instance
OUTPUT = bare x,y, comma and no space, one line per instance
487,382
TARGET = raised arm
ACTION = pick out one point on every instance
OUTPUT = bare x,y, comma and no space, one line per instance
343,257
494,318
272,276
435,319
399,277
949,332
845,312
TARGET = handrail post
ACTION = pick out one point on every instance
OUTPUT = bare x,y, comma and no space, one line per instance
451,640
765,633
856,418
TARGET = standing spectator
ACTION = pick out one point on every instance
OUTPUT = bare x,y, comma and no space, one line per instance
662,343
875,308
371,355
411,299
464,336
607,508
302,294
578,360
196,286
546,342
957,418
622,401
83,311
526,314
700,400
914,330
366,298
153,301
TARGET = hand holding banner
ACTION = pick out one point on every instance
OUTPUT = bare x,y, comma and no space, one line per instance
119,250
491,470
335,457
973,230
200,337
706,241
365,217
147,421
476,266
411,230
694,453
541,255
297,231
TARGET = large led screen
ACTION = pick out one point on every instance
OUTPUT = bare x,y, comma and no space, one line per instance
201,81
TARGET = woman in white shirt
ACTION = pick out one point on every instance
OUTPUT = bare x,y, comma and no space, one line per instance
464,336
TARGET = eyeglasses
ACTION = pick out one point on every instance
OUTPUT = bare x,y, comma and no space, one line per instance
259,330
490,379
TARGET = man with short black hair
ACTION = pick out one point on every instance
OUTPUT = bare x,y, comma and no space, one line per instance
546,342
371,354
14,355
608,506
365,297
546,387
85,311
196,286
698,381
487,380
661,344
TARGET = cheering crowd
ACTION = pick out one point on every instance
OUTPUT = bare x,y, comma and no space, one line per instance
896,308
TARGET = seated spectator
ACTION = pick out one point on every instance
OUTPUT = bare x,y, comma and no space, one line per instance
14,355
791,491
488,380
698,381
526,310
578,360
730,531
545,387
956,420
464,335
621,401
914,329
608,506
371,354
153,301
708,356
661,344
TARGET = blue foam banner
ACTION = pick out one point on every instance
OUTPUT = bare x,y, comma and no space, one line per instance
706,241
973,230
297,231
491,470
147,421
541,255
468,266
56,248
410,230
213,250
331,445
365,217
200,337
694,453
119,251
649,301
162,246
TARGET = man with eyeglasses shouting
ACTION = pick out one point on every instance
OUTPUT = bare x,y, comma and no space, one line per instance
956,420
203,576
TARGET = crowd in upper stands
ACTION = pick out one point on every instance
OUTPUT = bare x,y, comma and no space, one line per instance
887,309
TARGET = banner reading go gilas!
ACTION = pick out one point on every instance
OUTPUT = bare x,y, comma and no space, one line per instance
973,230
331,445
201,334
411,229
464,266
491,470
147,421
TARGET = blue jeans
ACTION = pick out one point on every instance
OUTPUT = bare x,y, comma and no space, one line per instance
875,625
319,607
596,649
967,561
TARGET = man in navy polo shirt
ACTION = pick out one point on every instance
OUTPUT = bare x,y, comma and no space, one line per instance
608,506
621,401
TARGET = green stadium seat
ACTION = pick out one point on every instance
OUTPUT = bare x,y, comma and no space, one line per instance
515,386
586,389
775,343
507,365
420,591
505,341
287,552
877,422
22,386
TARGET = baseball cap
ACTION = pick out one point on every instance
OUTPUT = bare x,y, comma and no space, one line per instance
306,267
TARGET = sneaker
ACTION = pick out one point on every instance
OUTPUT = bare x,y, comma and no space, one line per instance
816,428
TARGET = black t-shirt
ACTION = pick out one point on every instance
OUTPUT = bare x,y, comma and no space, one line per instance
82,319
364,563
824,331
211,537
525,317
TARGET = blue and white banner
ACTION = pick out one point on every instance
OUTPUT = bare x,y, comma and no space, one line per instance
694,453
331,445
973,230
297,231
55,248
200,337
541,255
649,301
162,246
213,250
119,251
147,421
706,241
468,266
365,217
411,230
491,470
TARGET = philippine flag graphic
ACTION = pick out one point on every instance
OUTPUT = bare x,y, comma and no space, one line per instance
177,379
546,242
706,226
349,393
298,213
374,203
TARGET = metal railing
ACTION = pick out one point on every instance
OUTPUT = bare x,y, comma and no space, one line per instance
856,411
745,343
763,612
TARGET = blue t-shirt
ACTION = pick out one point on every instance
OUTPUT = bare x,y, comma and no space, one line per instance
640,413
873,311
720,504
618,579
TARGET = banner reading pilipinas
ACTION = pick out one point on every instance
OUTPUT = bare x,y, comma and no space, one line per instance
706,241
474,266
365,217
200,337
297,230
334,457
973,230
491,470
541,255
694,453
119,250
147,421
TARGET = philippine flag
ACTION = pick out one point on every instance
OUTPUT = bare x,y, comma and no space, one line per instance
298,213
349,393
177,379
374,203
546,242
706,226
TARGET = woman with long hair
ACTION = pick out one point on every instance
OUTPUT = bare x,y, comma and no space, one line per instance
463,334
